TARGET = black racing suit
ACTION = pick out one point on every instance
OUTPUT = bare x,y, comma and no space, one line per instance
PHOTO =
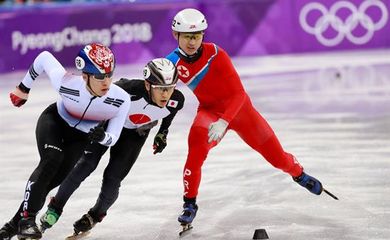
56,141
122,155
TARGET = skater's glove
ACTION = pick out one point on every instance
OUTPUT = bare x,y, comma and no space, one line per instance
160,142
217,129
144,129
18,97
97,134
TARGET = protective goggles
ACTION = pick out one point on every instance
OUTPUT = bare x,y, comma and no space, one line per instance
101,77
163,88
195,36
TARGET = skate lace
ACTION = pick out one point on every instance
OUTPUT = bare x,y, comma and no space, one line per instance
91,222
85,223
187,213
189,210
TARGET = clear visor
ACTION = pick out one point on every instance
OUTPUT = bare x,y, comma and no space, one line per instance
101,77
192,36
162,88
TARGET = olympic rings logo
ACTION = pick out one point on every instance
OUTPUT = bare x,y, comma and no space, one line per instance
343,28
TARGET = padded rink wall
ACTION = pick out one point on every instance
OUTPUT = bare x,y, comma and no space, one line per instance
140,31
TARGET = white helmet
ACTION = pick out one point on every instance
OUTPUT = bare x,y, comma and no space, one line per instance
189,20
161,71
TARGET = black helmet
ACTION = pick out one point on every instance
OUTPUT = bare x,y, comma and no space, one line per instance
161,71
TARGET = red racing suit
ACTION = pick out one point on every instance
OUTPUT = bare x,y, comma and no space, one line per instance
220,93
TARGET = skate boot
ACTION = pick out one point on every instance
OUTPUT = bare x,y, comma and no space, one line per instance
188,214
310,183
28,229
83,226
9,230
186,217
85,223
48,219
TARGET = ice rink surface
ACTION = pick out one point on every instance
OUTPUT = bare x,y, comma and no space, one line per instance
332,111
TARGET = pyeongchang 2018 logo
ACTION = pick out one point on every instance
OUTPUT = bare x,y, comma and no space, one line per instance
344,20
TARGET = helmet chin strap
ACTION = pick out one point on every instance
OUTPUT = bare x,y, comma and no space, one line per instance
90,88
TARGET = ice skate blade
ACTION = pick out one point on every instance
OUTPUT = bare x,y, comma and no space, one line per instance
76,236
186,229
330,194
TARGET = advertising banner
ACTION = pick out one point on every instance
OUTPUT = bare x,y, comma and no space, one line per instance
341,25
137,32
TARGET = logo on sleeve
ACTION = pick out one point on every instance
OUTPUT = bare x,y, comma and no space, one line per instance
172,103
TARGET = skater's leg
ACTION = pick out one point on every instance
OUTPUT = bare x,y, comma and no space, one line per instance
70,177
49,136
258,134
122,158
85,165
198,148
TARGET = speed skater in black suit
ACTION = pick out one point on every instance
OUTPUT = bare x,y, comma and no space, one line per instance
152,99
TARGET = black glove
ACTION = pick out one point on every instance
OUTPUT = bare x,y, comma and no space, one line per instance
97,133
160,142
144,129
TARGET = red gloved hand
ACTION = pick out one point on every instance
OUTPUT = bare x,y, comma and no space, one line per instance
18,97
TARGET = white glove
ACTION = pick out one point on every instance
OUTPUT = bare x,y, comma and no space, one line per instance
217,129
